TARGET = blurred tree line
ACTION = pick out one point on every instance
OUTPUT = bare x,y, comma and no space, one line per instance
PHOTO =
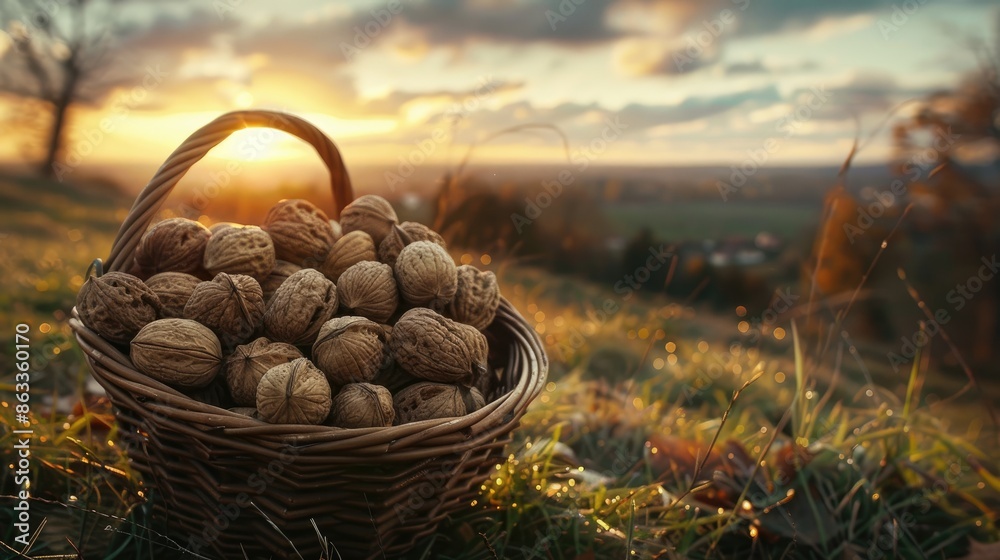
945,178
947,182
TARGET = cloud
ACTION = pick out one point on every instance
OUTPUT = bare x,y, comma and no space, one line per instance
313,46
171,33
581,121
873,92
652,57
122,55
554,21
758,66
746,67
697,107
392,103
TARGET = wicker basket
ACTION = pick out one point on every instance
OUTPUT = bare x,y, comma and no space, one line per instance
218,480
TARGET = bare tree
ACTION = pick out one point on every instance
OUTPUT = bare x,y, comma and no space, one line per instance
57,51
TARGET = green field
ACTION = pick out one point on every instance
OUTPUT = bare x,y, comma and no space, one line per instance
695,220
638,447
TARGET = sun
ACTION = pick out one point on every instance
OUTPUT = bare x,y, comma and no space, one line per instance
244,100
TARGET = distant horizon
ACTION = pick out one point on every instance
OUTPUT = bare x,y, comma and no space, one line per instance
132,177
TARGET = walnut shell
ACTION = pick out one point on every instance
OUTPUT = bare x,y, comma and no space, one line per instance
338,231
350,350
300,231
371,214
426,274
432,347
349,250
219,226
116,306
178,352
368,289
294,393
402,235
232,305
476,298
426,400
240,250
173,290
394,378
282,270
173,245
362,405
249,362
488,381
299,307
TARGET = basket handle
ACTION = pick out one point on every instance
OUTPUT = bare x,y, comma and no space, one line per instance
196,146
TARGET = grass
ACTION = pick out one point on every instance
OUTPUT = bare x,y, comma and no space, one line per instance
659,435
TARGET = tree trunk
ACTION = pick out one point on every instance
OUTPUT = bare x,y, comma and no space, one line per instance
56,136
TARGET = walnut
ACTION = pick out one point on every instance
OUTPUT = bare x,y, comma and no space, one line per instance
338,232
426,400
232,305
349,250
178,352
368,289
402,235
371,214
173,245
116,306
435,348
476,299
487,382
362,405
394,378
299,307
294,393
426,274
219,226
173,290
240,250
249,362
282,270
300,231
350,350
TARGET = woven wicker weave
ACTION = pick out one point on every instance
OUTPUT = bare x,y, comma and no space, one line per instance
217,480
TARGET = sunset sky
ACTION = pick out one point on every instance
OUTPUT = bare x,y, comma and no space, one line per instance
689,81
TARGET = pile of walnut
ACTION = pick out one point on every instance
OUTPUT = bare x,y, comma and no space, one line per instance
365,323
